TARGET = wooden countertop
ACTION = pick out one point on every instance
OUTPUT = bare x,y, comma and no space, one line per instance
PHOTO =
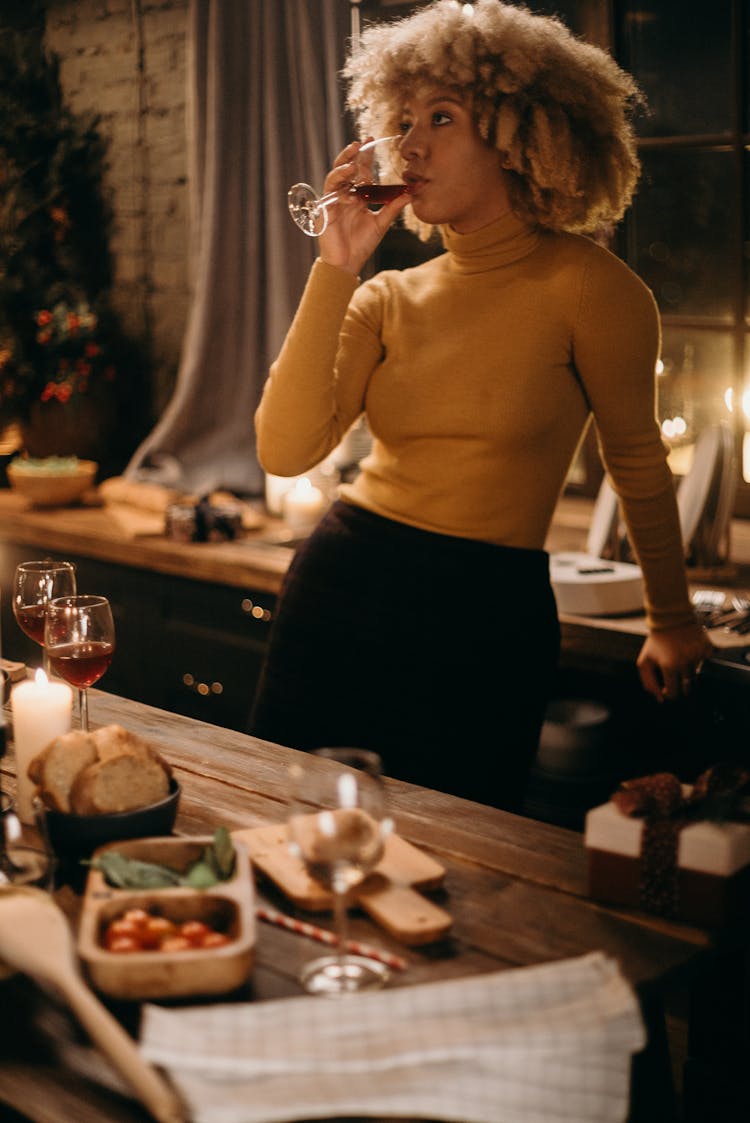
516,889
255,560
259,559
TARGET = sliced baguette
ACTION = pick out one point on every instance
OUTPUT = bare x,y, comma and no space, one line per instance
95,773
55,768
113,740
119,783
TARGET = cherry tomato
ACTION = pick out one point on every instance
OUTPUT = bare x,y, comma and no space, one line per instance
214,940
195,931
121,927
175,943
120,944
156,930
138,916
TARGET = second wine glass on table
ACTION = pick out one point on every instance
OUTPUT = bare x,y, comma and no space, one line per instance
35,584
337,827
310,209
79,636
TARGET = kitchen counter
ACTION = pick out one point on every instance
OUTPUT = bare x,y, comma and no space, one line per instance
260,557
203,609
256,560
191,619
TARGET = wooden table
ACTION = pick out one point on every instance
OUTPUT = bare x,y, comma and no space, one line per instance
516,888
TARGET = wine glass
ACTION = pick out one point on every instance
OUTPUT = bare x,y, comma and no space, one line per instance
310,210
337,827
79,635
35,583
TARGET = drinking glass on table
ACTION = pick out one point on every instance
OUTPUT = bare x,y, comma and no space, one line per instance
79,636
310,210
337,827
35,584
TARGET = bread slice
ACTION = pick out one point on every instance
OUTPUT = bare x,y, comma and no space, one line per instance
114,740
119,783
55,768
109,770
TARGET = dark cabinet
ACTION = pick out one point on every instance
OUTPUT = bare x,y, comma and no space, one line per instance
187,646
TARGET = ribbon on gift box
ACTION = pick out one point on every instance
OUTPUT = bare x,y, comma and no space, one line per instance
667,808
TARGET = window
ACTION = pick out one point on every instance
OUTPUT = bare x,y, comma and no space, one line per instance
687,232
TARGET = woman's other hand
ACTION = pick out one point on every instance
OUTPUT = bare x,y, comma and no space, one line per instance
670,660
354,231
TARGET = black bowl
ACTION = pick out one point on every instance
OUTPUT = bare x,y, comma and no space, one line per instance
77,836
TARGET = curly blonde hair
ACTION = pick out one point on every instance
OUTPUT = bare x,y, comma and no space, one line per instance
557,108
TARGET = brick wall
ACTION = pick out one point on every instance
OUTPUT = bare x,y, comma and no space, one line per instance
125,60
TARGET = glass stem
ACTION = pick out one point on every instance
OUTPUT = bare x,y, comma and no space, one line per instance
83,703
46,663
341,924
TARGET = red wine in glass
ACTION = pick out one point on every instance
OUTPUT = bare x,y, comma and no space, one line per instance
82,664
310,210
30,619
79,637
34,584
378,194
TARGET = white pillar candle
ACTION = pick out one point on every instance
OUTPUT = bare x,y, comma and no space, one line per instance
41,711
276,488
303,505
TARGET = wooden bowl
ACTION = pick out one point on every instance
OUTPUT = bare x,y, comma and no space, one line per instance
51,487
138,975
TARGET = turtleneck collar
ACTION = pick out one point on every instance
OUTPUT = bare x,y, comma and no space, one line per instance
503,241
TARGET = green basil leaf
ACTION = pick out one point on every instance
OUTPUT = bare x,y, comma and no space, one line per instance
224,853
200,876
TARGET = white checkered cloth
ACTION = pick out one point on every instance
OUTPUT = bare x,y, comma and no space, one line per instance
547,1044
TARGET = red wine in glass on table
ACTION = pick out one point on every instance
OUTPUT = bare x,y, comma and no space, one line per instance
30,619
80,640
35,583
82,664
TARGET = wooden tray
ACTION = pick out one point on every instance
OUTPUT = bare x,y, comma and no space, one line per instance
229,906
389,895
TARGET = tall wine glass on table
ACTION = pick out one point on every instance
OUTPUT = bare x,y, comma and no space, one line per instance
337,827
79,637
35,584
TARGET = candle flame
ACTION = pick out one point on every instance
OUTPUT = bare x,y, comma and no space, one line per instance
40,677
303,487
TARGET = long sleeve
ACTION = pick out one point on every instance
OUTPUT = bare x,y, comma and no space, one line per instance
307,406
616,343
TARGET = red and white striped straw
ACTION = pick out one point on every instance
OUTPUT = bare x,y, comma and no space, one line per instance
323,936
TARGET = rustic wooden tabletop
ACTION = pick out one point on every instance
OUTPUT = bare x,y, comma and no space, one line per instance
516,889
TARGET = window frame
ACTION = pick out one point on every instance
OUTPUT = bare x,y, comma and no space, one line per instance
736,140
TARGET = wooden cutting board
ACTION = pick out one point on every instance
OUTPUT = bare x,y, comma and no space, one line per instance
389,895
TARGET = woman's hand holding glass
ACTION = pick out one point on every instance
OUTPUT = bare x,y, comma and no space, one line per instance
348,231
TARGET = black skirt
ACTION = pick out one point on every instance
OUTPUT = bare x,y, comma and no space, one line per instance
437,652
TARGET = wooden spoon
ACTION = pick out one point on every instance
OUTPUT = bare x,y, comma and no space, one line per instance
35,938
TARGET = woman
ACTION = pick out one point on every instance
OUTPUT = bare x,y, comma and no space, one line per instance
418,619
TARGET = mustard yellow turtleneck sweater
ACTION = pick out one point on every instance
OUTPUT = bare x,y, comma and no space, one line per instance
478,372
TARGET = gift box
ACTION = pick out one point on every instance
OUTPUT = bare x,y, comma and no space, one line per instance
684,856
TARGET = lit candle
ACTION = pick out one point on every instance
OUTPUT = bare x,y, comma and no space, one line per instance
276,488
303,505
42,710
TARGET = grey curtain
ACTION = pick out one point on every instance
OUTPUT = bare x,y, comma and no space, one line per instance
264,110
